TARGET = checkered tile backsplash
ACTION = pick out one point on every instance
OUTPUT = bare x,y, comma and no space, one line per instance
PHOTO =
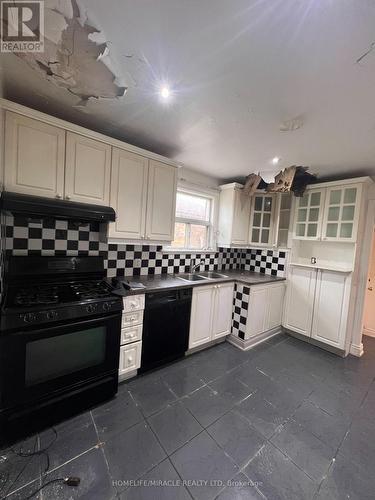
240,309
272,262
25,236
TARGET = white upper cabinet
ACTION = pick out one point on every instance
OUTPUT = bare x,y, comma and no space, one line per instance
34,157
87,170
234,214
329,214
143,194
309,215
342,213
161,201
222,310
262,219
128,194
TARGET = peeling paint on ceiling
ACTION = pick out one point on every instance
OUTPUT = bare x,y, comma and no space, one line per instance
250,79
73,58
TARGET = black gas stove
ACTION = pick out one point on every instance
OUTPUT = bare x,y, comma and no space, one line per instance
43,290
59,340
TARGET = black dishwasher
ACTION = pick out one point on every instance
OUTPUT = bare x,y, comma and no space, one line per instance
166,324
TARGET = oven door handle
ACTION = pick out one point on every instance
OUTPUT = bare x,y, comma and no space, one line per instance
50,329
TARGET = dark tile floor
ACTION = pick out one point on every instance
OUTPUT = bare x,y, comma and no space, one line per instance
285,420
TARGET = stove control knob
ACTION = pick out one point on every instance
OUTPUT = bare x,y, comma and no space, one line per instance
106,306
51,315
91,308
29,317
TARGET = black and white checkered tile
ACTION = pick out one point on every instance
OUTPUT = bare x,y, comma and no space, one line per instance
137,260
272,262
240,309
25,236
230,258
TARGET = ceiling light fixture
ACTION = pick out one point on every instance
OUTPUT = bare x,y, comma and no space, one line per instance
275,160
165,92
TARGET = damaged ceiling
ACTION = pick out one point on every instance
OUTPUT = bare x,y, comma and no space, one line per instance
250,80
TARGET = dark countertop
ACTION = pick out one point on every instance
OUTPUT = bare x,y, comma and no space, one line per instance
160,282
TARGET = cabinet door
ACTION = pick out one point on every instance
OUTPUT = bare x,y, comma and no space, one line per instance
257,314
261,225
130,358
331,308
201,316
87,170
241,214
161,202
342,213
128,194
299,303
309,215
222,312
275,301
34,157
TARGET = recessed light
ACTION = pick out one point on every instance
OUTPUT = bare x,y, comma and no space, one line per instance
165,92
275,160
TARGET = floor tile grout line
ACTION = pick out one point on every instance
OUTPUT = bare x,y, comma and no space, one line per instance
166,452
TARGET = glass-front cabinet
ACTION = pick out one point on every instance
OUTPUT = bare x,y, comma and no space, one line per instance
309,214
261,223
341,213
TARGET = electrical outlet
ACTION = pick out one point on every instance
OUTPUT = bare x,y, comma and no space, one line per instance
137,262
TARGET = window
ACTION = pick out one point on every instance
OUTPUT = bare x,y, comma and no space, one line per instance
193,223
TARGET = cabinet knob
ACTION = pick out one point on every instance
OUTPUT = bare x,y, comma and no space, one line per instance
130,359
67,197
58,195
131,335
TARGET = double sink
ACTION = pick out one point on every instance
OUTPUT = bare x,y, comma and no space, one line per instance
208,275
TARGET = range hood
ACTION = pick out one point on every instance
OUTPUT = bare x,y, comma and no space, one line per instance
36,206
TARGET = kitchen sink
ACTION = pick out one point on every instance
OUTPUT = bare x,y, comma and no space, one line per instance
212,275
191,277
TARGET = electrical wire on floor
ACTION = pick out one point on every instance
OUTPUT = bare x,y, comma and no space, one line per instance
69,481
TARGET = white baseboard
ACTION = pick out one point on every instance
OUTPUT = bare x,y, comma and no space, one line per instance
369,331
245,345
356,350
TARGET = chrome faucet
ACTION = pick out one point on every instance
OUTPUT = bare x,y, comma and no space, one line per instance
194,266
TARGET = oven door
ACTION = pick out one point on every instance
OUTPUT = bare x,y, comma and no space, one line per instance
40,363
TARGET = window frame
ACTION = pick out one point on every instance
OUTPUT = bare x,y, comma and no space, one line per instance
210,224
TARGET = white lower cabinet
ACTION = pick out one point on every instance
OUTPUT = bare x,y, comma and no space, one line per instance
131,335
130,358
265,309
317,304
211,313
331,307
299,301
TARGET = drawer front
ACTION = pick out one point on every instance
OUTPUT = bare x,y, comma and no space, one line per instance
132,319
130,357
134,303
131,334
